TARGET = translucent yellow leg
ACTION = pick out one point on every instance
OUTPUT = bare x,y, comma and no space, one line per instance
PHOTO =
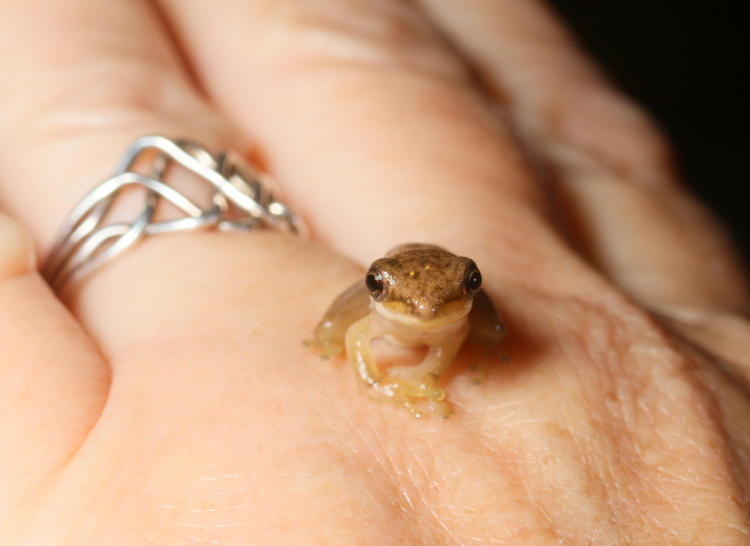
437,360
421,384
371,379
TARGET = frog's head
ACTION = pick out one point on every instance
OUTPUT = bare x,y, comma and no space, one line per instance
422,287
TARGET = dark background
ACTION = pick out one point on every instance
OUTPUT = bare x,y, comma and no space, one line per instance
688,64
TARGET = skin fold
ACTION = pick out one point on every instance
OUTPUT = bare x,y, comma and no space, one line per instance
168,399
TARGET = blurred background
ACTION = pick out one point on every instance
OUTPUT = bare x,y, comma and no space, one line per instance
688,63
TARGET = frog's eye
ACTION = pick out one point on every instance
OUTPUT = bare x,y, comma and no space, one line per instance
472,280
374,282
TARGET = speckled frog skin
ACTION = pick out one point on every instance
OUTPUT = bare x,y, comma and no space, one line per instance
417,294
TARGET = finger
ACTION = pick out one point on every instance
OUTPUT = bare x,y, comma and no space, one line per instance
372,124
103,75
623,205
722,335
555,93
53,383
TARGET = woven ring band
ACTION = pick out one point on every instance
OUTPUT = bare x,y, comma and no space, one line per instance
240,201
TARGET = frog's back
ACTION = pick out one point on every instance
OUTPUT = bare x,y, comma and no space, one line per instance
407,247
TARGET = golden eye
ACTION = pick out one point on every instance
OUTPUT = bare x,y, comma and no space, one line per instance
472,281
374,283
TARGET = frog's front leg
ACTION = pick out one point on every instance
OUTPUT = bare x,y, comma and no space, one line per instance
371,379
351,305
439,356
487,331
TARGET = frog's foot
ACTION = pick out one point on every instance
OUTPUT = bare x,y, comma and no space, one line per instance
328,349
401,392
411,388
479,369
437,403
408,405
441,408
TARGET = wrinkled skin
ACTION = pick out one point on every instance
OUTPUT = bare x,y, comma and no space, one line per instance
168,400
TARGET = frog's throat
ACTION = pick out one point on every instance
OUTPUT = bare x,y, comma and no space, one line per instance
454,314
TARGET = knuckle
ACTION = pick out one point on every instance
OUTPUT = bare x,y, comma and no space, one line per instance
388,34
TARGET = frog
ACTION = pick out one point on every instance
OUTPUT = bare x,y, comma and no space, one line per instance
417,294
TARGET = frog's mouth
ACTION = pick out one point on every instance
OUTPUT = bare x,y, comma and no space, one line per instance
399,313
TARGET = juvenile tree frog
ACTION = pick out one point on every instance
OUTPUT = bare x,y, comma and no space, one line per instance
417,294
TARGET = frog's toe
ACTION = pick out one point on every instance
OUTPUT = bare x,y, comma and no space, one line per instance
410,407
438,407
477,378
327,348
437,394
420,389
330,349
441,408
479,370
393,391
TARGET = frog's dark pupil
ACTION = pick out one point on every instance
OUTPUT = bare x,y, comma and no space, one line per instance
473,280
374,282
476,280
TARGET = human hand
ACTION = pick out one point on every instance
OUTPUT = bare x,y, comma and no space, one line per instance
172,401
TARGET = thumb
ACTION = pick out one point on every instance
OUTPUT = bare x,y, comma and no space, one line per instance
53,384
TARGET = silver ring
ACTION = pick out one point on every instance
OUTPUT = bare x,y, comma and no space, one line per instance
240,201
